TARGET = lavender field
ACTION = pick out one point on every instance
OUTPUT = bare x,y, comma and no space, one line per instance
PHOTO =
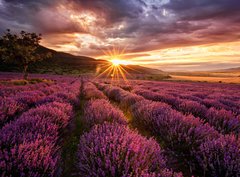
81,126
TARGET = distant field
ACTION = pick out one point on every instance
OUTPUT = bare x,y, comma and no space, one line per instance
206,79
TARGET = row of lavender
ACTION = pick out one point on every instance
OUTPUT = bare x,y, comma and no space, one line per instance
204,89
223,117
110,148
30,145
197,142
223,96
226,122
15,100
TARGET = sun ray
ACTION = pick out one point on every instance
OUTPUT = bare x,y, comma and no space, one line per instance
122,74
124,70
132,69
106,70
116,67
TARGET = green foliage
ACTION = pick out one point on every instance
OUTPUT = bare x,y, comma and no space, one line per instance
21,49
25,82
19,82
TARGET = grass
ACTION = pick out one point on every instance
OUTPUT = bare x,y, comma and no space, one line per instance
212,77
70,145
222,79
19,82
71,141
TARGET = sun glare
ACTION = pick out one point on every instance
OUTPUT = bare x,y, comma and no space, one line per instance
117,62
117,68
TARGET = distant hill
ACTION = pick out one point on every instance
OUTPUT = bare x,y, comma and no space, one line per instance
211,73
237,69
65,63
143,70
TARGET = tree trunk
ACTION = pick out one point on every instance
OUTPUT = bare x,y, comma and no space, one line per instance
25,73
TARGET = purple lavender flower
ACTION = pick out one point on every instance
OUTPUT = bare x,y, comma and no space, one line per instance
126,99
25,129
115,150
29,97
193,107
35,158
183,134
224,121
58,113
28,147
9,108
90,91
100,110
220,157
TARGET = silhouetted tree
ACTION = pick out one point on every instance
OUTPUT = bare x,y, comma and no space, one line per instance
21,49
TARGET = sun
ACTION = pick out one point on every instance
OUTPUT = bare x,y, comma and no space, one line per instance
116,62
116,68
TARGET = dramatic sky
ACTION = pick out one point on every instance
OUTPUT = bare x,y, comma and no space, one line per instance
165,34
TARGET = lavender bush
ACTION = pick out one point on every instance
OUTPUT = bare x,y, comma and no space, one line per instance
27,129
193,107
183,134
28,147
90,91
115,150
224,121
166,98
29,143
35,158
53,113
9,108
100,110
220,157
29,98
121,96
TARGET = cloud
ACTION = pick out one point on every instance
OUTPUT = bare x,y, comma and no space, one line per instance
137,25
204,9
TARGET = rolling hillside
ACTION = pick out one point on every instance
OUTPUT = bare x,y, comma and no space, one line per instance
237,69
65,63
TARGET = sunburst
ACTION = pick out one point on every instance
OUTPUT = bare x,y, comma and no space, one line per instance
116,62
115,68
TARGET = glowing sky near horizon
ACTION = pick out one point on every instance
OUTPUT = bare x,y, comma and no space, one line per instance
167,34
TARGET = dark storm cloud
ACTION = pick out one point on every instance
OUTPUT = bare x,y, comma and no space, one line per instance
191,22
113,11
19,15
38,16
204,9
185,22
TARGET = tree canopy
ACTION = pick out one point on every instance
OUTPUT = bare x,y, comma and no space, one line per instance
21,49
